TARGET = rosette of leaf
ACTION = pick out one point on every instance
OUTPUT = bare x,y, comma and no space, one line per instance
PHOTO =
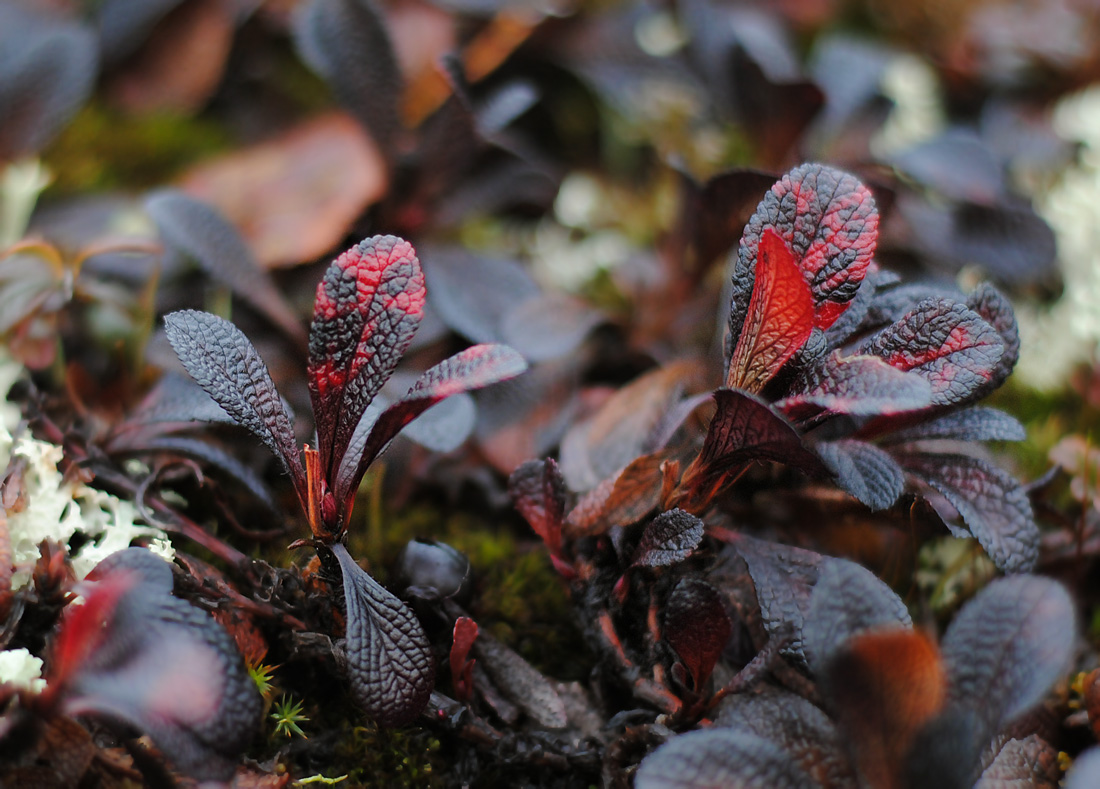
368,307
899,712
142,659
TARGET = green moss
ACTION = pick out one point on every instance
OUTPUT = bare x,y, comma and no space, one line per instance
375,757
106,149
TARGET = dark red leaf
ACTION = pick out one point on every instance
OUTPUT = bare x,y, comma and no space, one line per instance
847,600
795,725
474,368
193,229
829,222
367,310
538,492
223,362
332,37
864,471
163,667
780,317
945,342
462,669
744,429
1027,762
720,759
996,310
697,626
977,423
668,539
1008,646
991,502
622,499
859,385
390,665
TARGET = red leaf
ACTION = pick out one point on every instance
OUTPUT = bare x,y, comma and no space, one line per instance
697,626
462,668
779,320
538,491
368,308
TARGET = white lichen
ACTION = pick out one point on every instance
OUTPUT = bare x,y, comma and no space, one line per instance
22,670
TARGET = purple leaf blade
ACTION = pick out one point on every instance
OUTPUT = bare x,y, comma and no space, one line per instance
226,365
864,471
720,759
992,504
996,310
538,492
1085,772
829,221
474,368
668,539
390,665
1008,646
368,307
977,423
858,385
196,230
945,342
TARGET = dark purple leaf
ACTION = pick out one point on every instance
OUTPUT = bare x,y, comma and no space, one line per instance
390,664
720,759
548,326
538,492
124,24
367,310
521,682
474,368
195,230
1008,646
669,538
828,220
847,600
946,343
997,311
697,627
446,425
992,504
849,70
796,726
859,308
977,423
347,44
162,666
47,71
1028,763
744,429
890,304
858,385
864,471
223,362
176,398
457,291
957,164
784,579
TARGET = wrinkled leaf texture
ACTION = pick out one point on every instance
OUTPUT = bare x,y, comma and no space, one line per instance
977,423
720,759
864,471
697,627
391,669
857,385
538,493
669,538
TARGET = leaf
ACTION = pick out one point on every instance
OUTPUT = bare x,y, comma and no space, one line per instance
296,196
347,44
462,669
668,539
1028,763
223,362
123,24
367,310
621,499
945,342
445,426
697,627
195,230
829,222
391,669
780,317
864,471
1008,646
846,601
521,683
858,385
720,759
794,725
977,423
162,666
745,428
474,368
538,492
549,325
996,310
1085,772
176,398
885,686
992,504
47,72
